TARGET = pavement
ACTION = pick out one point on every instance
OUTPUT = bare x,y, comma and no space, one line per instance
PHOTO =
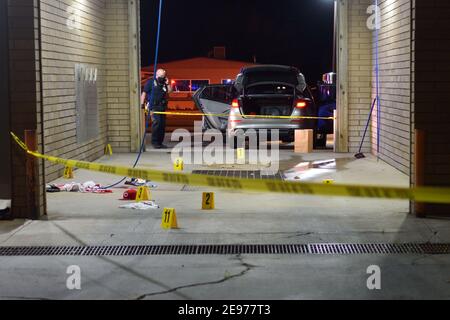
240,218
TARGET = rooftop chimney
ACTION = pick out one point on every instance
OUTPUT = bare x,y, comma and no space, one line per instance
220,53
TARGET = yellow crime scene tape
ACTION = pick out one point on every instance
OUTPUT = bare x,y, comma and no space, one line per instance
418,194
245,116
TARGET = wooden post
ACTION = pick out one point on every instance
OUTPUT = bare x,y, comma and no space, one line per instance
32,192
419,169
134,67
335,131
342,75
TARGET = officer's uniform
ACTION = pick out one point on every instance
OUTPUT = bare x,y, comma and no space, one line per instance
158,104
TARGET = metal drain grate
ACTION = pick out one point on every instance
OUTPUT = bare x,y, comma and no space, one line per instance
246,174
231,249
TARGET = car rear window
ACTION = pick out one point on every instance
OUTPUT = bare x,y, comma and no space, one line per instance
270,89
271,76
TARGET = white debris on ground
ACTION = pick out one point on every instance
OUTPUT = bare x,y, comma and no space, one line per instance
87,187
144,205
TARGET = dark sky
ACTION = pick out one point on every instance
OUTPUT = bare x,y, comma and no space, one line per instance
289,32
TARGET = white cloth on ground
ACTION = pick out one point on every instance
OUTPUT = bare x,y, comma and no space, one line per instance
144,205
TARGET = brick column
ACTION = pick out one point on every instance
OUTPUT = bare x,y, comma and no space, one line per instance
5,159
25,104
432,92
359,74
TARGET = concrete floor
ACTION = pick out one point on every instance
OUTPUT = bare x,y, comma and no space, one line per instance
95,219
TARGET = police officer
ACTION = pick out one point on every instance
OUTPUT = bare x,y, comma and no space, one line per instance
161,88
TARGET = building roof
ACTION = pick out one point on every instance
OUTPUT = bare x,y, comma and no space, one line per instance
200,63
269,67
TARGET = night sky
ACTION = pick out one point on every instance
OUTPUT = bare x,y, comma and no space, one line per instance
289,32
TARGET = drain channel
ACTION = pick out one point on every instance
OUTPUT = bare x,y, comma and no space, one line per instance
232,249
245,174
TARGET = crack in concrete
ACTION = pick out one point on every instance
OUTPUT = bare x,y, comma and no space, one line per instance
122,267
300,234
26,298
26,224
416,260
137,225
247,266
434,232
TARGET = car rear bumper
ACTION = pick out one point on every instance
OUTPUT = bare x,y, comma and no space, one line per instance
286,133
285,126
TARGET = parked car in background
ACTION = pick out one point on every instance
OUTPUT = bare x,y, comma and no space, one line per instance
267,90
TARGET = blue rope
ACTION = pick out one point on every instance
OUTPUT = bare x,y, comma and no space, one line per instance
147,120
367,125
377,73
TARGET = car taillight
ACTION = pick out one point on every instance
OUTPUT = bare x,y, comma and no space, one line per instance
300,104
235,103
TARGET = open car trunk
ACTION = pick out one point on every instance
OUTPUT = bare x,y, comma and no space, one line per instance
267,105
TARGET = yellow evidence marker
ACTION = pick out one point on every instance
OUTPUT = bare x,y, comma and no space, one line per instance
143,194
68,173
208,201
178,165
241,154
108,150
169,219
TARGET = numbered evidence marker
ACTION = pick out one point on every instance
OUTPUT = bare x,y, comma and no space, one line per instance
208,201
328,181
108,150
241,154
178,165
68,173
169,219
143,194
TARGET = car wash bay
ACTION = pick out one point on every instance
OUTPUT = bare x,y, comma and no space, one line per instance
109,29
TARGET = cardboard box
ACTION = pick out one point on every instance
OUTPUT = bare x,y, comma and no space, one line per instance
304,141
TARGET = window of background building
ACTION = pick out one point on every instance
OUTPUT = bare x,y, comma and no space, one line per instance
227,81
188,85
197,84
181,85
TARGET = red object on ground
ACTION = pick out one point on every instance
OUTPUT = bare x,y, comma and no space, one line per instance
129,194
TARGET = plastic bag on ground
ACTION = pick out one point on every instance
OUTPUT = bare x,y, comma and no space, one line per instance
144,205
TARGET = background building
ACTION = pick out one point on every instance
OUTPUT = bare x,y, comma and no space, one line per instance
189,75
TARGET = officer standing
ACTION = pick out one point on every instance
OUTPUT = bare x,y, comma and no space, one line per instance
161,89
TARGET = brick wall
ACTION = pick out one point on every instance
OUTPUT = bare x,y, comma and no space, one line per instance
395,85
62,48
60,34
117,76
359,74
95,33
25,101
395,80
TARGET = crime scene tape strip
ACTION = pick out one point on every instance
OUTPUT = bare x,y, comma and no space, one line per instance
246,116
419,194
